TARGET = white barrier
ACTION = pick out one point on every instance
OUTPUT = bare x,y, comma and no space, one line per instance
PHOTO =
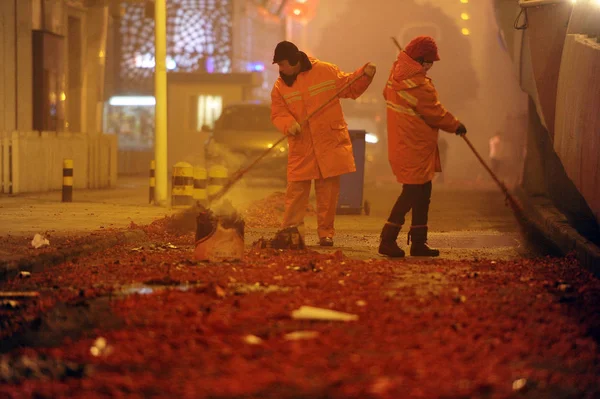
32,161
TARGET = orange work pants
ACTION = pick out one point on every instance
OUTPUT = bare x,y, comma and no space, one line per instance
296,201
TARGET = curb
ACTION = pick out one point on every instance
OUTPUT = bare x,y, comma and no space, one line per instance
45,261
556,228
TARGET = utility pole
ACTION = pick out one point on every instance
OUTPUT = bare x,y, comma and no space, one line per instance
160,94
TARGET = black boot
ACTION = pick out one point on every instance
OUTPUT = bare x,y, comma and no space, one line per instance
419,246
388,245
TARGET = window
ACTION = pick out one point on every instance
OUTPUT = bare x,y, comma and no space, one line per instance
208,110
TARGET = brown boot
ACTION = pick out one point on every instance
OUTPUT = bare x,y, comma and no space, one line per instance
326,242
388,245
419,246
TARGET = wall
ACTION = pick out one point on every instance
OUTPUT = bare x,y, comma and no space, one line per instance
544,176
16,65
558,67
577,129
546,34
33,161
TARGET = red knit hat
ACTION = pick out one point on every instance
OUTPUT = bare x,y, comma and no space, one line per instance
423,46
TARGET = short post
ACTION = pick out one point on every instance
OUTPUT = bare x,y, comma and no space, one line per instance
217,178
152,182
67,187
200,183
182,191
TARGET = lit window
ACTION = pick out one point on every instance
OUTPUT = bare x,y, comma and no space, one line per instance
209,110
132,101
465,31
297,11
464,16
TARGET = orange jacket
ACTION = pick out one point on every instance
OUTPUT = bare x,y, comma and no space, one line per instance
323,148
414,115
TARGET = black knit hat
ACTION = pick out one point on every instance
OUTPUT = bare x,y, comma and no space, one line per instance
286,51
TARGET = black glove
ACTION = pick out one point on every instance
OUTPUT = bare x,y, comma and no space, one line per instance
461,130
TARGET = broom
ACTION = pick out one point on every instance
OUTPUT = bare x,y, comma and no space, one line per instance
531,230
510,199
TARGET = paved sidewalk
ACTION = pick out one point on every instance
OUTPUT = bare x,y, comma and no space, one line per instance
95,220
28,214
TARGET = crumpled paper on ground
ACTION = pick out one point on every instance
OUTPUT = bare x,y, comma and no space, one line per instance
39,241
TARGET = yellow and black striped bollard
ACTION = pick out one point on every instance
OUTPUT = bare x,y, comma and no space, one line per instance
217,178
182,191
200,183
67,187
152,182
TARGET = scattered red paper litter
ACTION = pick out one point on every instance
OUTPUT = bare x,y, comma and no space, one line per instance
528,326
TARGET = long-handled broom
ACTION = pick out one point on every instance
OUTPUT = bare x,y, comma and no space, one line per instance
242,171
531,230
510,199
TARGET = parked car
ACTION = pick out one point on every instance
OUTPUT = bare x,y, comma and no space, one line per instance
241,134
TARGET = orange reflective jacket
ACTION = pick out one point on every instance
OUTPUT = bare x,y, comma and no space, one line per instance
323,148
414,115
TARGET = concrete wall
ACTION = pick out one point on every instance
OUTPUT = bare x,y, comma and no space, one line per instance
577,128
544,176
546,35
16,65
558,68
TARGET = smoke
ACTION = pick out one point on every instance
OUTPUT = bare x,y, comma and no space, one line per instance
219,154
474,78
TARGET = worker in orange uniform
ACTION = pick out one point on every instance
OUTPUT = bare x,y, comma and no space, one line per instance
320,149
414,116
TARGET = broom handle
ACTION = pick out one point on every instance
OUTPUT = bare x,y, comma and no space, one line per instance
396,43
336,95
500,184
238,175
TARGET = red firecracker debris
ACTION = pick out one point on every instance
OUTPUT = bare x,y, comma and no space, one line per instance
527,327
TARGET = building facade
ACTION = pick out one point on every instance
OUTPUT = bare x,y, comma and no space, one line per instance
77,80
51,94
219,52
